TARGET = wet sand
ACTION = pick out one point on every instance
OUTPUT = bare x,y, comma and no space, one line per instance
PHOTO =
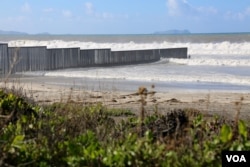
45,90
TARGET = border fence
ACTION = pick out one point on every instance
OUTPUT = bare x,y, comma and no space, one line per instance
40,58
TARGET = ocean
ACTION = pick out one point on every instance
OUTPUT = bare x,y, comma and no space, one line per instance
218,62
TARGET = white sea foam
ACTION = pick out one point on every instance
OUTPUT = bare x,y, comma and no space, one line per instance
236,80
216,60
218,63
222,48
161,72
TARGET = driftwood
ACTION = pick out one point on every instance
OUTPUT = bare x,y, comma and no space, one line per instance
138,93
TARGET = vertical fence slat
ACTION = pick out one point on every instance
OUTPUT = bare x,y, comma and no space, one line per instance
4,65
40,58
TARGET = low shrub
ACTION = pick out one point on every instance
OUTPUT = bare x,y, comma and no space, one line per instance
65,134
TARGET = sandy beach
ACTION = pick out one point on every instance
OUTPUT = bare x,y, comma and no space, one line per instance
43,91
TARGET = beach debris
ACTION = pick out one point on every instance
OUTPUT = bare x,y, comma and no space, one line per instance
123,97
174,100
139,93
142,90
201,100
114,100
96,97
153,100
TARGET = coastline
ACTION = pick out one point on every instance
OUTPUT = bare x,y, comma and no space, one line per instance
44,91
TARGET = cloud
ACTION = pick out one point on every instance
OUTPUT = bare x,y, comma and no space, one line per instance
89,9
173,8
235,16
207,10
238,15
67,13
106,15
17,19
26,8
183,8
247,11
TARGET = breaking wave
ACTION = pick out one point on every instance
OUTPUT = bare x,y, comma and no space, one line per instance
221,48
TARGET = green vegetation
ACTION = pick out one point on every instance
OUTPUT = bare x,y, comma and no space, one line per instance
77,135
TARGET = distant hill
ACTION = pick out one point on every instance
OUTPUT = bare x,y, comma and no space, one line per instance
173,32
20,33
43,33
12,33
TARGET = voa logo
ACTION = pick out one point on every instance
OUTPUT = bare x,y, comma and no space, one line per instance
236,158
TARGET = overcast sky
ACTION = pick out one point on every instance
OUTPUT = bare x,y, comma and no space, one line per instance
124,16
